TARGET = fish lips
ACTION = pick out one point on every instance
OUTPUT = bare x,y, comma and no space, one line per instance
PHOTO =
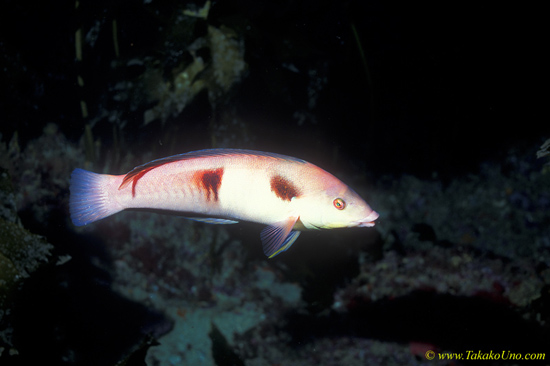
369,220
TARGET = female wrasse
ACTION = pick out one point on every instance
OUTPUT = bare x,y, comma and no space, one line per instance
222,186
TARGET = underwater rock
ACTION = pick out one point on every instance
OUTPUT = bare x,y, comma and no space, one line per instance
21,253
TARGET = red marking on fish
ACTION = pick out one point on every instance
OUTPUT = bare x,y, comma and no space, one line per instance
137,173
283,188
209,181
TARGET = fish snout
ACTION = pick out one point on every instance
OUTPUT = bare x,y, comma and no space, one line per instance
369,220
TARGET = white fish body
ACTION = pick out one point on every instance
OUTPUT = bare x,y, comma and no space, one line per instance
225,186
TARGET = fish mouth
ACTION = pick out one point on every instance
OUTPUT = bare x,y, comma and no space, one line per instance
369,220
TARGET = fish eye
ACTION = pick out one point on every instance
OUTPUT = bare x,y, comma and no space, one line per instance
339,203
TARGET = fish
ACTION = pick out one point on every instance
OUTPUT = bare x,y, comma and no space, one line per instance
225,186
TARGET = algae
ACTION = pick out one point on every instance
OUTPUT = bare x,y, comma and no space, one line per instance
21,253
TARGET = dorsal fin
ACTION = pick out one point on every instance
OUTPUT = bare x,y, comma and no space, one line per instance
135,174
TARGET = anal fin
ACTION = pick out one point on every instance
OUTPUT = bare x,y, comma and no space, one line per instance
279,237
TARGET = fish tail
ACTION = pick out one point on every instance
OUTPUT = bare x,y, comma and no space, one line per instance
90,200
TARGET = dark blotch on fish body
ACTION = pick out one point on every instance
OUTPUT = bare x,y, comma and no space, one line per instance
283,188
209,181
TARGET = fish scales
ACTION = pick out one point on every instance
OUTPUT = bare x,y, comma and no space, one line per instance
225,186
188,186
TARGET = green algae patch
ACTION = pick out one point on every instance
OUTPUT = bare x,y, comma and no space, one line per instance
20,254
8,276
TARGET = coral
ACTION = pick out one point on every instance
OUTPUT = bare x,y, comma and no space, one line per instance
459,272
170,264
493,211
40,173
481,238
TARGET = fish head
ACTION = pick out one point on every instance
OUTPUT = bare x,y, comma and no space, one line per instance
336,207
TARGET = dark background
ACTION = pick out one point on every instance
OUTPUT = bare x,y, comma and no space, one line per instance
444,85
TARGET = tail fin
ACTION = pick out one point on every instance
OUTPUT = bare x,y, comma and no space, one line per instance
89,199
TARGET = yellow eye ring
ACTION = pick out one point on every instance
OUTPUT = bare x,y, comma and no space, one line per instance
339,203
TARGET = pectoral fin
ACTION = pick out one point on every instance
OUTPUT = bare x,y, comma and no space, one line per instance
279,237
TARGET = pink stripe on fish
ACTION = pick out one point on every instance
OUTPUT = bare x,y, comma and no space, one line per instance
136,175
